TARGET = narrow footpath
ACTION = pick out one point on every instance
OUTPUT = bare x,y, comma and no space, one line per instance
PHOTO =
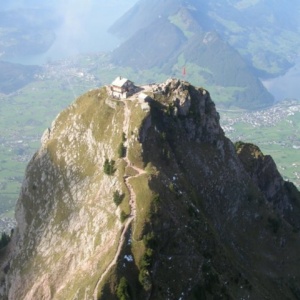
132,202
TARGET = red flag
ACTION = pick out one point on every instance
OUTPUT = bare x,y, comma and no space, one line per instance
183,71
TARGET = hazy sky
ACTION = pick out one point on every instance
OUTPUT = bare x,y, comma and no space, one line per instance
84,23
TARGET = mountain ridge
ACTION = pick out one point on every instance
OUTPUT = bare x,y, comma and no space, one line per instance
179,212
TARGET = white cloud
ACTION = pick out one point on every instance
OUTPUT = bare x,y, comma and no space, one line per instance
75,15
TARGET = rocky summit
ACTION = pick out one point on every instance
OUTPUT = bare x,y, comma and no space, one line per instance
143,197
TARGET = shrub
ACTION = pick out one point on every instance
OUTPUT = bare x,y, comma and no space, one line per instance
118,198
171,187
149,240
156,198
145,263
163,136
109,167
145,279
123,216
121,150
5,239
165,155
238,145
123,289
123,137
147,258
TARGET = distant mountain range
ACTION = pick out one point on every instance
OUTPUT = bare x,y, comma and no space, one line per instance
26,31
224,45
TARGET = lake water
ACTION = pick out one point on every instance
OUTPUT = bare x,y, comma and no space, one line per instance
286,86
83,31
62,50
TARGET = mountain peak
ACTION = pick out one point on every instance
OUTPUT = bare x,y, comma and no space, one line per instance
136,192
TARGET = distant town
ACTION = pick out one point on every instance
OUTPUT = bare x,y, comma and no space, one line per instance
266,117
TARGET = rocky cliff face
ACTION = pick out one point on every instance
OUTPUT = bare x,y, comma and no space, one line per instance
149,200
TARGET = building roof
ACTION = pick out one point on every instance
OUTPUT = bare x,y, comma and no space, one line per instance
119,81
143,96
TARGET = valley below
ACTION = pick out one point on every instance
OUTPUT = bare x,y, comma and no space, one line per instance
287,85
275,130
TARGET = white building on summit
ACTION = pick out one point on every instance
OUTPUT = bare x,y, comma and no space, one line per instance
122,88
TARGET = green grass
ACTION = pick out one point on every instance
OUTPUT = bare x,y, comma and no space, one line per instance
178,21
124,206
144,197
275,139
23,118
136,119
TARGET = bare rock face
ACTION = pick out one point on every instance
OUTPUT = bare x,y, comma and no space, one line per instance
282,195
180,96
195,106
155,204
